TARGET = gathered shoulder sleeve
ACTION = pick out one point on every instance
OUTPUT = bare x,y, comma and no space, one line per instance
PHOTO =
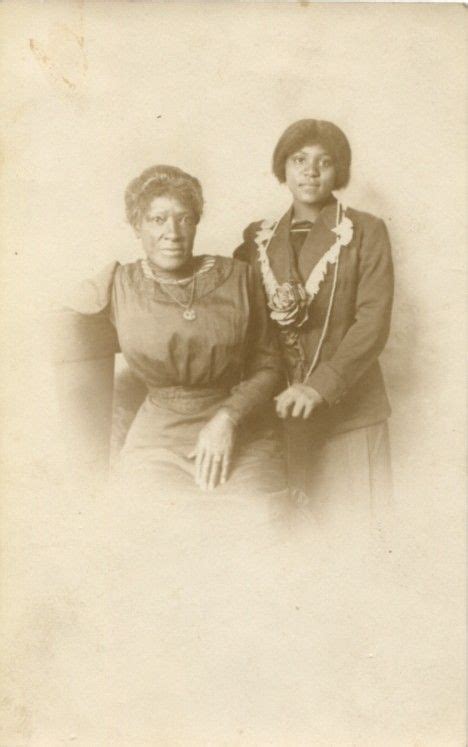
94,294
366,337
83,325
263,371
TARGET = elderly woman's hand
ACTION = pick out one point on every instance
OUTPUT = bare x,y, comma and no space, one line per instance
298,400
214,450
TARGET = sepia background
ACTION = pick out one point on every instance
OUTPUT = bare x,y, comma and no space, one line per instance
93,92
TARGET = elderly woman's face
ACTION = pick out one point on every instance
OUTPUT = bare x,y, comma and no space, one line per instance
167,232
310,174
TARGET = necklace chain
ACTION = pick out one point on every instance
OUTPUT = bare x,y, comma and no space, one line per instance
177,301
189,313
207,264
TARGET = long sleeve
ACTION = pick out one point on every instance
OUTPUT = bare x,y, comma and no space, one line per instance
263,375
366,337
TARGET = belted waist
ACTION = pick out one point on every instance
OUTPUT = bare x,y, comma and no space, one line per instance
186,400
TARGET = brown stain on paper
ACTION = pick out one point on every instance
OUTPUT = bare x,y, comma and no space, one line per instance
63,57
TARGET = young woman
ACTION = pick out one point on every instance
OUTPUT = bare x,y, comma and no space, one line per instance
328,277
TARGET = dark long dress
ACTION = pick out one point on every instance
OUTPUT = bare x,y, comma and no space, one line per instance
225,357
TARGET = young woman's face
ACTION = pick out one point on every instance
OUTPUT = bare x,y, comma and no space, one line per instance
167,232
310,175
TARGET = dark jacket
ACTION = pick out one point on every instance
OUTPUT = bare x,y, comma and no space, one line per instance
348,375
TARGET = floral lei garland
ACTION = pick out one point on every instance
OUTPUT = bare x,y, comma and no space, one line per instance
289,301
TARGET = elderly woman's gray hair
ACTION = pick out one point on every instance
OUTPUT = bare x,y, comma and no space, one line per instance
157,181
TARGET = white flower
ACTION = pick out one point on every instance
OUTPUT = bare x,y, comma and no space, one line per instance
263,236
268,223
344,231
265,232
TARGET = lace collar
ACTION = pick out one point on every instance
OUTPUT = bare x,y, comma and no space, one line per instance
343,228
212,272
290,300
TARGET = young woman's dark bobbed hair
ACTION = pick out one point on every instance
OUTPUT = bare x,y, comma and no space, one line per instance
312,132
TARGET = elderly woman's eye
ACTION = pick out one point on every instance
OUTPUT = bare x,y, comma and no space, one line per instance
187,220
159,219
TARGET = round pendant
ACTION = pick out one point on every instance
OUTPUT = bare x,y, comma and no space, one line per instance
189,315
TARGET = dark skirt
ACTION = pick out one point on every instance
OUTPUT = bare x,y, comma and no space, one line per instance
345,476
157,453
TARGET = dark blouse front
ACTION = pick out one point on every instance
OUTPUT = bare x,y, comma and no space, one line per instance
229,347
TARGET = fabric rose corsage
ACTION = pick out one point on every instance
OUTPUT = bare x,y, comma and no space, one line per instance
288,304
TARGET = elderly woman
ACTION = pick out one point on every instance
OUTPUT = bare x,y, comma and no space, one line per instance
195,330
328,277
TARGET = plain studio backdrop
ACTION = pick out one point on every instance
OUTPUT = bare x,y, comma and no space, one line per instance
93,92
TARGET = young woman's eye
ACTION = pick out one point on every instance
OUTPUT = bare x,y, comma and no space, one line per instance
186,220
298,159
326,162
157,219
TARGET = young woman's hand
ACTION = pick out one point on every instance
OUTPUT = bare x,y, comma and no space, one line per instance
298,401
214,451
